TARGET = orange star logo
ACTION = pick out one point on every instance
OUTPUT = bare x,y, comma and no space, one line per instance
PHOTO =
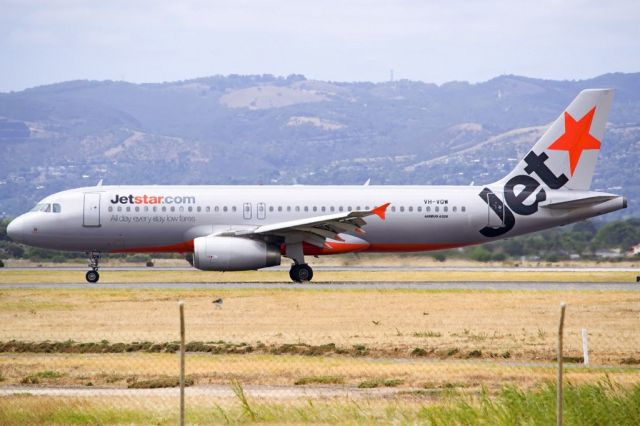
576,138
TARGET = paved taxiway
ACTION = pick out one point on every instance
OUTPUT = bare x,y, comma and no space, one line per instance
468,285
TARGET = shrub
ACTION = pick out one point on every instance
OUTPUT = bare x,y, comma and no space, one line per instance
321,380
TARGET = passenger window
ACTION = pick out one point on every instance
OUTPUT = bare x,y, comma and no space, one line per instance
224,209
110,209
446,208
419,208
367,208
410,208
137,208
402,209
306,208
270,208
155,209
428,208
297,208
146,208
181,208
190,209
463,208
288,208
119,208
233,209
349,208
333,209
279,208
164,208
208,209
128,208
324,208
393,209
454,209
199,209
215,209
173,209
437,209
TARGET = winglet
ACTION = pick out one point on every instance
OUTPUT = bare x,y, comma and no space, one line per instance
381,211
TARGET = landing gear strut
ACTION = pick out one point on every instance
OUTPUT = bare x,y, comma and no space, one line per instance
301,272
93,276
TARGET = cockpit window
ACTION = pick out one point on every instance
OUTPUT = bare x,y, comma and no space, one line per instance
47,208
43,207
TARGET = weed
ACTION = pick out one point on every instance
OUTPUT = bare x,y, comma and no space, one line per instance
419,352
246,407
158,382
376,383
476,353
320,380
427,333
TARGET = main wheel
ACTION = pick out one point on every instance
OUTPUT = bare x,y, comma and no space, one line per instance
92,276
301,273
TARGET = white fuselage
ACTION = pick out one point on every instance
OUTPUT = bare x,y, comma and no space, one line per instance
168,218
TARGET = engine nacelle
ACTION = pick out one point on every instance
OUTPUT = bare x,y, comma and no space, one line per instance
233,254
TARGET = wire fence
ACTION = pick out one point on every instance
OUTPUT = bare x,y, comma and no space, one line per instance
319,356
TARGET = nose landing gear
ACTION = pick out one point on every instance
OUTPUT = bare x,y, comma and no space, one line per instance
93,276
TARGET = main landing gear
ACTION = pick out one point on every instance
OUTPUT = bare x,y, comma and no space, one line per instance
300,272
93,276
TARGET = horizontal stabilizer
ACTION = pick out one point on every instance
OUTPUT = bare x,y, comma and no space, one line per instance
580,202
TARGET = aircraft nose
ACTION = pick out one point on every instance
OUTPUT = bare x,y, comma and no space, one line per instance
16,229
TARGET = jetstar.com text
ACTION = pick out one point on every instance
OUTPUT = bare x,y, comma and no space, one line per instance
152,199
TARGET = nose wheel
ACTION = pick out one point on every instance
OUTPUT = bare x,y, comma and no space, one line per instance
93,276
301,273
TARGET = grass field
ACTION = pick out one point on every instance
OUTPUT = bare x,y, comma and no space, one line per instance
451,356
386,322
12,276
599,403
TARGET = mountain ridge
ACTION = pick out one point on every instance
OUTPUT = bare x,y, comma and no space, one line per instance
282,130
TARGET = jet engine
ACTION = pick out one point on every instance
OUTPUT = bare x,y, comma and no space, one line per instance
233,254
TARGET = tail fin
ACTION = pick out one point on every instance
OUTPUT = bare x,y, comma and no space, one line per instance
565,156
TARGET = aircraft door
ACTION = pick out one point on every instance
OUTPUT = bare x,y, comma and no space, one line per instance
246,211
262,211
91,209
495,217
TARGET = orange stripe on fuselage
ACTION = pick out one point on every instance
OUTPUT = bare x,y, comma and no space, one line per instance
184,247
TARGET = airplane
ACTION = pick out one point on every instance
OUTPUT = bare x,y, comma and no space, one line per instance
234,228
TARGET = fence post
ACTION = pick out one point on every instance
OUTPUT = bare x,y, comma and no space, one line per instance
559,396
585,347
182,348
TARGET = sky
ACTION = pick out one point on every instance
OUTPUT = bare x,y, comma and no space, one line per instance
48,41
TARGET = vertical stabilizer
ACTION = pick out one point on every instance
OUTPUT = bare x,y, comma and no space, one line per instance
565,156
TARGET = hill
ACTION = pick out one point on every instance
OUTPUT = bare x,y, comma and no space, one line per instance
274,130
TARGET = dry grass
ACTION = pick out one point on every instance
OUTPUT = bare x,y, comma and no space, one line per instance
517,325
120,370
12,276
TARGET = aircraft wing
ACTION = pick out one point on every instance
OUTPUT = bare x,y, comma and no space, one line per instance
316,230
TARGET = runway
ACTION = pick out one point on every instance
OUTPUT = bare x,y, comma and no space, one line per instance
462,285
